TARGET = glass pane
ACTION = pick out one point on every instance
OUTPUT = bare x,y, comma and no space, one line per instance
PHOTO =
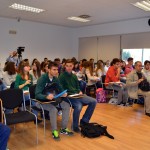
146,54
136,54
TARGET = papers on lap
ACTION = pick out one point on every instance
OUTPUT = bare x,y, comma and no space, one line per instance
76,95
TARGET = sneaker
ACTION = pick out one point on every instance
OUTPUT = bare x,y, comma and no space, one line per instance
66,131
55,135
76,129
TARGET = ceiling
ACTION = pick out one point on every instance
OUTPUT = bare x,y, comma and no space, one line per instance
101,11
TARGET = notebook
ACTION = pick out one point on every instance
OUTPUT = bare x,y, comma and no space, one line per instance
60,94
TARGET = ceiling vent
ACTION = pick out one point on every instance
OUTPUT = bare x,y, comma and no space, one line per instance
84,16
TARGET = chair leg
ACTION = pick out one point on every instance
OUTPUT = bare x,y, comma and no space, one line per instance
43,119
36,131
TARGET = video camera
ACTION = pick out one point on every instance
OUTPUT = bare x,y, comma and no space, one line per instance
20,50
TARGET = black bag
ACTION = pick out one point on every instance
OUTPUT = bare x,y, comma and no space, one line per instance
144,85
93,130
51,88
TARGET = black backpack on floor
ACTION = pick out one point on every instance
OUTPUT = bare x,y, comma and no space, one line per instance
93,130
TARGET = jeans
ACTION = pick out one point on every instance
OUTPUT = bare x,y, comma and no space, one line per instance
82,85
77,104
53,114
4,135
122,92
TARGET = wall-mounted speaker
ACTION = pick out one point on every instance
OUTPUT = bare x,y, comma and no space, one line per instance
149,22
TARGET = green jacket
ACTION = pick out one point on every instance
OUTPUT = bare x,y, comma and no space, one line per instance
20,81
41,84
70,83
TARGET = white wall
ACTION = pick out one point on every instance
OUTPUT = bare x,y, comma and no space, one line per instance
116,28
40,40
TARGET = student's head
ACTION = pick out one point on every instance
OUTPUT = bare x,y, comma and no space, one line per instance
91,60
24,69
45,59
69,64
138,66
107,63
116,63
36,67
53,69
57,60
26,60
44,66
35,59
10,68
130,61
147,64
76,64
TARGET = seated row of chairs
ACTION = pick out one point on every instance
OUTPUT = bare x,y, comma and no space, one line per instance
13,99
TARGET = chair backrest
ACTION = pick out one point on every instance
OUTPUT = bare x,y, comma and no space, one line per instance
12,86
12,98
1,112
86,78
32,91
103,81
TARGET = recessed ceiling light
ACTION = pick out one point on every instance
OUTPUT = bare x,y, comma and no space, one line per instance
26,8
78,19
145,5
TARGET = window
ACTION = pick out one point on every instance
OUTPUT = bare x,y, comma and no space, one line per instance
137,54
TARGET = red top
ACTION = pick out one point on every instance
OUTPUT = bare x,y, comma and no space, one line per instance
111,75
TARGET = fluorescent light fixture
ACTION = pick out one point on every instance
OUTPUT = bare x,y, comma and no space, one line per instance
145,5
78,19
26,8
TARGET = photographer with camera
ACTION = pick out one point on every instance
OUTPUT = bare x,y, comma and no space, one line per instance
16,56
13,57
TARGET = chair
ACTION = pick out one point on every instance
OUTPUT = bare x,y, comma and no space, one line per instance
90,88
13,98
104,87
40,103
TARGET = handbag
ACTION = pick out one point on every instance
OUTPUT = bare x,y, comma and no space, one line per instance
144,85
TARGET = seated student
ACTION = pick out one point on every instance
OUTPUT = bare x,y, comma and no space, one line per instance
129,66
44,67
113,75
146,70
89,72
23,81
35,71
134,78
70,82
107,65
4,136
42,83
9,74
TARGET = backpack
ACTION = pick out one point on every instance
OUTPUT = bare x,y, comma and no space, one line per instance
93,130
144,85
101,95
